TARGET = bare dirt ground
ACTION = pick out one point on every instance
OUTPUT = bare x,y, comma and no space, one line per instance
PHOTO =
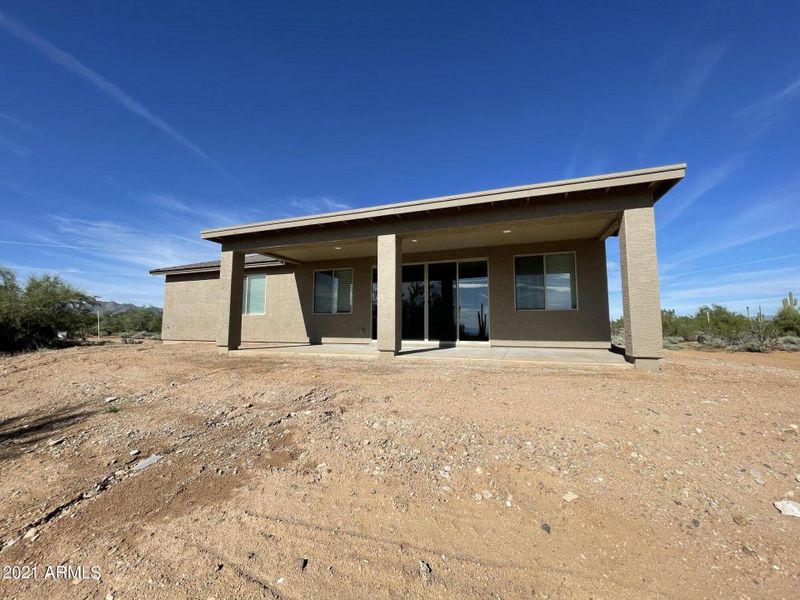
304,477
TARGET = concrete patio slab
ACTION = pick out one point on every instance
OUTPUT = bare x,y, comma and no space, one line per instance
412,351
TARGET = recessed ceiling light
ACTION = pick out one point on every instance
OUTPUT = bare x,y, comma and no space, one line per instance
337,247
415,241
506,231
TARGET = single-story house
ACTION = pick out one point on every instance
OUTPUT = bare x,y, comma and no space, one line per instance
518,266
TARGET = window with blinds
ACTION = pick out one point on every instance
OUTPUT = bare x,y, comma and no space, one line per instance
545,282
255,294
333,291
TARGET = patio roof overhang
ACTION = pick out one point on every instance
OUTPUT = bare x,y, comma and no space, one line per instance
588,207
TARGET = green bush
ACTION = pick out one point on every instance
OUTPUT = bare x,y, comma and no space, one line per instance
787,320
134,320
36,315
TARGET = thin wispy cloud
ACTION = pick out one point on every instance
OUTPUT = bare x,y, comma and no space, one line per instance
742,288
15,121
9,145
699,185
734,265
675,98
72,64
321,204
195,214
769,110
764,218
115,240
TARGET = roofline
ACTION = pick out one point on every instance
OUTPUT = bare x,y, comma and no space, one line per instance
212,267
666,173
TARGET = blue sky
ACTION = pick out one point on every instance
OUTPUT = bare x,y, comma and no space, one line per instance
125,128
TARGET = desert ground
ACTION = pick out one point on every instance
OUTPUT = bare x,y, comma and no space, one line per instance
334,477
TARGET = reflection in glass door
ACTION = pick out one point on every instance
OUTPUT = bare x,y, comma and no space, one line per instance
473,301
413,302
374,294
442,301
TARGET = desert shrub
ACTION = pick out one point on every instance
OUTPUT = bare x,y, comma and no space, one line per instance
134,320
674,325
34,315
790,343
720,322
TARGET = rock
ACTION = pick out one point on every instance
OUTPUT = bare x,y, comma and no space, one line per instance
135,452
109,596
757,476
695,523
545,527
741,520
279,580
111,399
569,497
55,441
302,563
789,508
797,477
247,405
425,572
144,463
30,533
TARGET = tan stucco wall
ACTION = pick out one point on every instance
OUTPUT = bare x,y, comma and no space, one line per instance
191,302
191,307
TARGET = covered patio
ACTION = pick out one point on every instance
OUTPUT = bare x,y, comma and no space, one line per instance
511,273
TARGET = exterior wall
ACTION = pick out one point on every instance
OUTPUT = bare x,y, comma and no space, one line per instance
587,326
191,307
191,302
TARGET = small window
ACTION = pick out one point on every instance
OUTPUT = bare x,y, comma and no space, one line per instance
545,282
333,291
255,294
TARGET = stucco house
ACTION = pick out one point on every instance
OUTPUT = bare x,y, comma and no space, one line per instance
519,266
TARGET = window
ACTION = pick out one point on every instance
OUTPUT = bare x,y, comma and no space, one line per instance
333,291
255,294
545,282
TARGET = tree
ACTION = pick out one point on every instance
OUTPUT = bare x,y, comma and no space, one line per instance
50,306
10,303
720,321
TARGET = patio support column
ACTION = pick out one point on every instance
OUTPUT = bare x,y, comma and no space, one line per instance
641,303
389,314
231,282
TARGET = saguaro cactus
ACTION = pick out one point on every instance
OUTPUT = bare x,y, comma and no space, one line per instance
481,322
790,303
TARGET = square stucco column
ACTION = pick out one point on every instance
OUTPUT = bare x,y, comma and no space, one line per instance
389,315
231,282
641,303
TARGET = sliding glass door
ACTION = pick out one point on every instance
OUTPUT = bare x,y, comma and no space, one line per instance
473,301
455,296
413,302
442,299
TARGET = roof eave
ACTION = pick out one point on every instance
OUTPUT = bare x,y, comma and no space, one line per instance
661,180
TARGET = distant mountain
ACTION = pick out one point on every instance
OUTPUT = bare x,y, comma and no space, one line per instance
112,308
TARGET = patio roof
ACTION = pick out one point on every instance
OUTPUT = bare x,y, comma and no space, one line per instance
656,180
212,266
